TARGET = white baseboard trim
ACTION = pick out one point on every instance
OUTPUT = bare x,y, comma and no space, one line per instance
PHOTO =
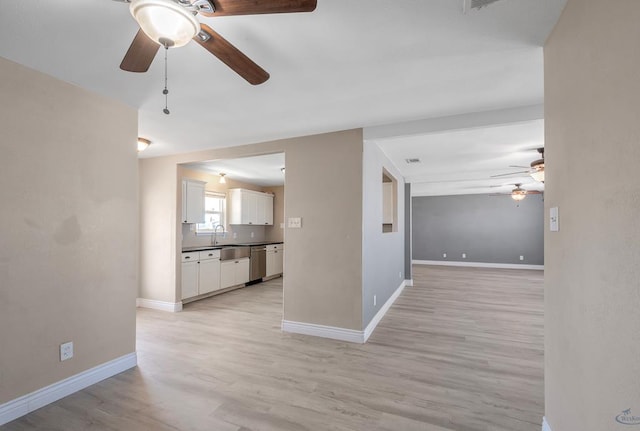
408,283
343,334
545,425
335,333
21,406
159,305
478,264
383,310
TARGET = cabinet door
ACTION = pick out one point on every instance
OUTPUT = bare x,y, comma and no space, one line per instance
268,209
242,271
260,209
227,274
234,206
189,279
194,202
271,264
279,261
209,276
249,207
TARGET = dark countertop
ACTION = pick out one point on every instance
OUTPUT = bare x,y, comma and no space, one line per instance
220,246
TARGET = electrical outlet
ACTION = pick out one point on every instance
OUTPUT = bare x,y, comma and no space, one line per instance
252,234
521,257
235,235
400,274
444,254
66,351
464,255
375,300
281,225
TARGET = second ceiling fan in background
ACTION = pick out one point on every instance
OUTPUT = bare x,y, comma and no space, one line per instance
173,23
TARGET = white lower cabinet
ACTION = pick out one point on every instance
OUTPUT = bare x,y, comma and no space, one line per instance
275,259
200,273
234,272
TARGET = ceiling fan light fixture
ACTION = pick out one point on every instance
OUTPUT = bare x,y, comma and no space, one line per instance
518,195
143,144
538,175
165,21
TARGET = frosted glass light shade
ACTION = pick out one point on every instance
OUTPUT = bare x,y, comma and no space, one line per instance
143,144
518,195
538,175
165,21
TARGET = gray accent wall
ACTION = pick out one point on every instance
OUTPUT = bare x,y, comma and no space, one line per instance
382,253
488,229
408,275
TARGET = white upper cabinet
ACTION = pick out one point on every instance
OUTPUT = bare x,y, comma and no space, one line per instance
193,201
250,207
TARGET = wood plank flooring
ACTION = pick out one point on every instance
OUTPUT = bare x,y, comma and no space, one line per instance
462,350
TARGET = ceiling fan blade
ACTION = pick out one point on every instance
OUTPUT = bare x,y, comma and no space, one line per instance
533,192
232,56
140,54
512,173
255,7
518,166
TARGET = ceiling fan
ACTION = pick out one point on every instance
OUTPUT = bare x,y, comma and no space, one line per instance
518,193
173,23
536,170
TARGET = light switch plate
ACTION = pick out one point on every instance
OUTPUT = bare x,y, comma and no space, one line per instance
294,222
554,225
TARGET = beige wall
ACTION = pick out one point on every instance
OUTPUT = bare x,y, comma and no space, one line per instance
323,262
592,265
68,254
276,232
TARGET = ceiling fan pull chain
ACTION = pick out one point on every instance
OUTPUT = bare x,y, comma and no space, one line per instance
166,90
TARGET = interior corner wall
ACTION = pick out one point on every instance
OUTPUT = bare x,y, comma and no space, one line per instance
383,253
408,243
487,229
323,259
592,271
69,248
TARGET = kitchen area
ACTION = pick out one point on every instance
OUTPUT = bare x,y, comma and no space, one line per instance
232,224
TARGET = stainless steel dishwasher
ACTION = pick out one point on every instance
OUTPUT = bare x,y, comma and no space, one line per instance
258,263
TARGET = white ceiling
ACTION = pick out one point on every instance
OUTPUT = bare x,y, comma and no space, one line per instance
259,170
349,64
462,161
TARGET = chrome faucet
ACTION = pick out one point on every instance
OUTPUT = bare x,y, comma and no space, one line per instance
214,237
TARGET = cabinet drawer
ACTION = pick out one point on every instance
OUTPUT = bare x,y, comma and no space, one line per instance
191,256
209,254
273,247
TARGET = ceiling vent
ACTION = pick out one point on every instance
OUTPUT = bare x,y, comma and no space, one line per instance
411,161
477,4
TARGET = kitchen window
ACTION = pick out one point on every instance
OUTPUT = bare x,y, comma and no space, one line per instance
214,213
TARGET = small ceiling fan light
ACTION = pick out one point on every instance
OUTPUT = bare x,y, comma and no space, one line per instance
165,21
518,195
538,175
143,144
222,179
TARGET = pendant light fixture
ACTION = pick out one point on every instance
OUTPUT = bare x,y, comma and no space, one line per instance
222,180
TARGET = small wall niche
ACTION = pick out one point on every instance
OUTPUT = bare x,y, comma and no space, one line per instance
389,202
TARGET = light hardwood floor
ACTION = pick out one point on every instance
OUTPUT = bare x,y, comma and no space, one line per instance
461,350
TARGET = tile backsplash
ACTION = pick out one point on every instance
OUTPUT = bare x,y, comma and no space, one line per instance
235,234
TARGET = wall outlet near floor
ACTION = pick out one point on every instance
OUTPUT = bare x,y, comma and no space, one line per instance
252,235
444,254
400,274
521,257
464,255
66,351
281,225
235,235
375,300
